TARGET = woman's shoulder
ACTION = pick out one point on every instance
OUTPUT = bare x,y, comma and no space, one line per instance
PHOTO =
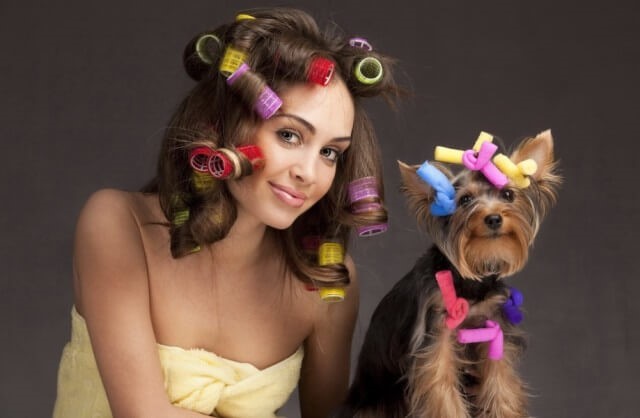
115,217
119,207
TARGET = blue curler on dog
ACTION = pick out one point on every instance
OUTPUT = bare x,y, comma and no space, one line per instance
444,203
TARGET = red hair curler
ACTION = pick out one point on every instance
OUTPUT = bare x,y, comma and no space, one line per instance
320,71
199,158
224,163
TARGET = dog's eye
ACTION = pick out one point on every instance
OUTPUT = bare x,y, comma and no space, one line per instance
465,200
507,195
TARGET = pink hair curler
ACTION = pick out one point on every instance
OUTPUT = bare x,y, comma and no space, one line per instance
268,103
481,161
243,68
457,308
362,189
360,43
476,159
492,334
370,230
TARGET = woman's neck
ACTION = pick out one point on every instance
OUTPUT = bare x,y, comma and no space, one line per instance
245,245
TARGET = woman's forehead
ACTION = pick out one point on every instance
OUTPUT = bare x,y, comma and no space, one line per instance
327,108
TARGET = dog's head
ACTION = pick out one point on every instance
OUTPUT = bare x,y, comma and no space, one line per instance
490,230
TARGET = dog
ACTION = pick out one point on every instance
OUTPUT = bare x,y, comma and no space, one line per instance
444,342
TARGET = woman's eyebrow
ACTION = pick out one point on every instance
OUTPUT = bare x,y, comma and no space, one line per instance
297,118
307,125
342,139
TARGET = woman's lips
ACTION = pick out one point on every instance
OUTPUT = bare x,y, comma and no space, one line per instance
289,196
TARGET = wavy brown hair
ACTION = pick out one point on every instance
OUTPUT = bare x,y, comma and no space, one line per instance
279,43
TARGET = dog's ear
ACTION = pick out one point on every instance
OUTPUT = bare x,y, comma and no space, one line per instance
540,149
419,193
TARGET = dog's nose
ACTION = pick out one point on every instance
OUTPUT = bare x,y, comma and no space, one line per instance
493,221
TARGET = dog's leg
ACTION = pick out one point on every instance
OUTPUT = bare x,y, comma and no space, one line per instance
501,393
435,382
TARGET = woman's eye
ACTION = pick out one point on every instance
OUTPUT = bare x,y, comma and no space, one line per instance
330,154
465,200
289,137
507,195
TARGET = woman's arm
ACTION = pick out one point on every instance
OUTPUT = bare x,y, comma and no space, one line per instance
112,294
324,378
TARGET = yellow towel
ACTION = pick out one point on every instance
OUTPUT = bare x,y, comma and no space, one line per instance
194,379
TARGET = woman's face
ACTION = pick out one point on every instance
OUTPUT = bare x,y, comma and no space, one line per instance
301,144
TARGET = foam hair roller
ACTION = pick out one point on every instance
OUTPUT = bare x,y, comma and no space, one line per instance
482,138
454,156
492,334
516,172
448,155
477,159
444,203
511,307
481,161
457,308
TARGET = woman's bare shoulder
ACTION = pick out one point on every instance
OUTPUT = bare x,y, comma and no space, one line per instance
108,241
114,203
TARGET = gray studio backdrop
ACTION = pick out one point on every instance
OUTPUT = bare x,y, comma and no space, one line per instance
87,87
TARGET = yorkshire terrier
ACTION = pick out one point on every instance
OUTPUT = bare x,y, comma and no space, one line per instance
444,342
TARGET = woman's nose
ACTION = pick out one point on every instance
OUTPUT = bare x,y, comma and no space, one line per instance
303,169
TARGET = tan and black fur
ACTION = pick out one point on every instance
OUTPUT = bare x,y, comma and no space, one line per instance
411,364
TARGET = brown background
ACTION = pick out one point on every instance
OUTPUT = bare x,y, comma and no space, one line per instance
86,90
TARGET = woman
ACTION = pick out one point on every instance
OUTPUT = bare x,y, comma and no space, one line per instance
206,294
